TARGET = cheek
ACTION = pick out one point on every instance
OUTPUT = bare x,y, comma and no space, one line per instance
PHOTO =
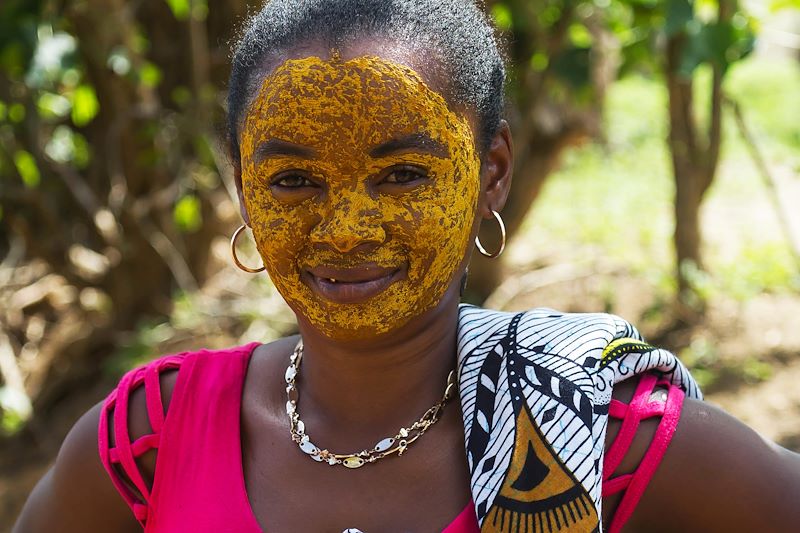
278,229
450,212
444,218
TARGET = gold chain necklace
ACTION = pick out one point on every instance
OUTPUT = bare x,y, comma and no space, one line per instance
385,447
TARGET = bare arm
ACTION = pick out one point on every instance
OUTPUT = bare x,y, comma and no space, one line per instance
720,475
717,475
76,494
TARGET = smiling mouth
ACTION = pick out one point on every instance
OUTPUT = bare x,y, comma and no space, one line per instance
351,285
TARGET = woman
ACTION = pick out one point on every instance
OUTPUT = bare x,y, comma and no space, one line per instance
368,145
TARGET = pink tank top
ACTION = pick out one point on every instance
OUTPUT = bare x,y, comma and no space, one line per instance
199,480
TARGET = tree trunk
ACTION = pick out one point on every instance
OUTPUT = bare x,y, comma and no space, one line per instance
695,159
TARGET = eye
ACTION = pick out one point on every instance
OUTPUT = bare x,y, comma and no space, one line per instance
292,180
405,175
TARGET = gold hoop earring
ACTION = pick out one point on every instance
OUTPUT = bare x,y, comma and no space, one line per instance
482,250
233,252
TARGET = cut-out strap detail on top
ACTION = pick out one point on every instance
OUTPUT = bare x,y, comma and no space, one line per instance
640,408
124,452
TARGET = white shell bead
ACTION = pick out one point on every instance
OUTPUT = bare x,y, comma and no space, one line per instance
301,427
317,458
308,447
291,372
332,461
384,445
290,408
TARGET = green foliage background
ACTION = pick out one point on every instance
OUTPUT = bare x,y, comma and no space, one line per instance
116,195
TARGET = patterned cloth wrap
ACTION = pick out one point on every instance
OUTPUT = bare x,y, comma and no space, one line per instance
535,392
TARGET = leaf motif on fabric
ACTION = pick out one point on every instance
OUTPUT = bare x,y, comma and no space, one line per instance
487,382
484,423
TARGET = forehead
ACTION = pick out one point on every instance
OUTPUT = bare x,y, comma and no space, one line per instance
365,96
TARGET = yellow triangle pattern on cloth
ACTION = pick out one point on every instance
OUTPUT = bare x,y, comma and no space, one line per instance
539,494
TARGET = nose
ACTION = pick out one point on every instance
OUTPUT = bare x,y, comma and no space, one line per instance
346,227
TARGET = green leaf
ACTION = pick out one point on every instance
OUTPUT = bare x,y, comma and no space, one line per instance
718,43
187,214
84,105
82,150
16,112
720,38
679,14
579,36
549,15
539,61
180,8
695,51
13,59
502,16
26,166
203,150
150,75
181,96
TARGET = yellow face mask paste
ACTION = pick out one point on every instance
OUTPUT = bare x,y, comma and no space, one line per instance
340,201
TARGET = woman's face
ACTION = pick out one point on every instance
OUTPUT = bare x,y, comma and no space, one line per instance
361,186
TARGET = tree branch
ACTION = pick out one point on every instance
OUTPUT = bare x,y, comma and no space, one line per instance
772,187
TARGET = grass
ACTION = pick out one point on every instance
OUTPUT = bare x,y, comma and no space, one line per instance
615,202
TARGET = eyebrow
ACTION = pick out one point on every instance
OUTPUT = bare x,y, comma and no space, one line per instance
421,142
279,147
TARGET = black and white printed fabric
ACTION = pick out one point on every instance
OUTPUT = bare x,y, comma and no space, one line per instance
535,392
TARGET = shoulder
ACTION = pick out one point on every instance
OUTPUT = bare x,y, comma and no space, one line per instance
146,393
712,460
718,474
139,419
76,495
85,490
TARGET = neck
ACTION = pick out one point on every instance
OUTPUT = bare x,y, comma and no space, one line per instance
354,391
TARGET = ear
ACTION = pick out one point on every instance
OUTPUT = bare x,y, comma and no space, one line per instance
237,178
498,166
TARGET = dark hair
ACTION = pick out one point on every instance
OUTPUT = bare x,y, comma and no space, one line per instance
455,33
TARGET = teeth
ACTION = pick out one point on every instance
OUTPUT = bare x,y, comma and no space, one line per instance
332,280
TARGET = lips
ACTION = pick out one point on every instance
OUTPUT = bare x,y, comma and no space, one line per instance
352,284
